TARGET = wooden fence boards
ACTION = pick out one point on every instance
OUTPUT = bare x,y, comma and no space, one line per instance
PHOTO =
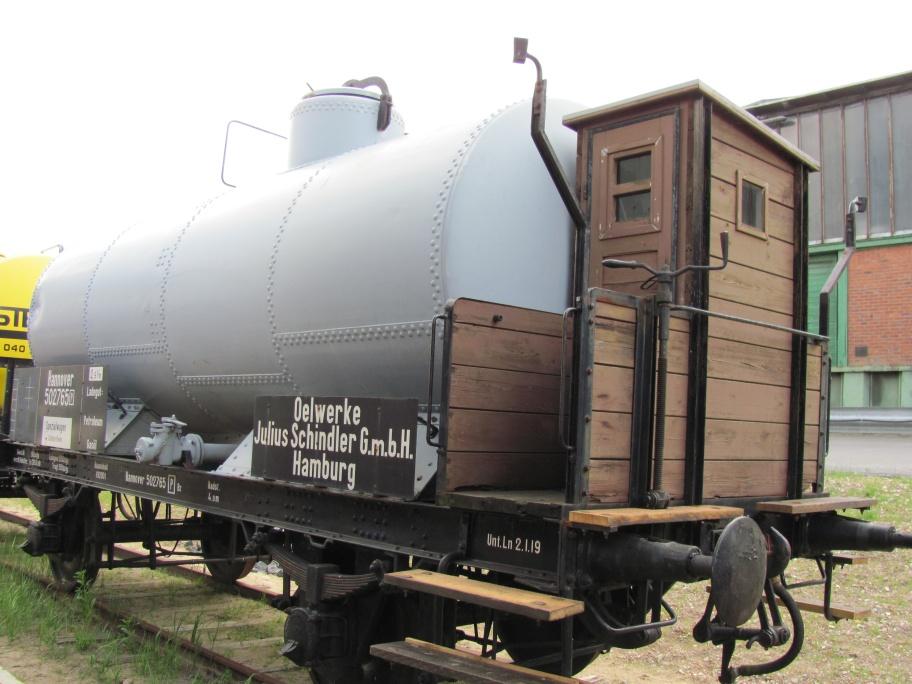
745,285
500,470
494,389
503,431
507,317
612,403
505,349
502,403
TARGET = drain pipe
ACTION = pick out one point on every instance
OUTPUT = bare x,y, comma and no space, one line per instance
540,138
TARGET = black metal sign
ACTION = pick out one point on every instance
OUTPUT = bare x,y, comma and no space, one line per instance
72,404
350,443
514,541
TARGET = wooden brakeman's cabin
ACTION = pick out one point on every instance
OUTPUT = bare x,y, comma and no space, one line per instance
659,178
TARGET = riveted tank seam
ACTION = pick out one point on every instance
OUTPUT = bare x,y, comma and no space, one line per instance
126,350
360,333
166,260
270,279
438,219
313,106
88,292
231,379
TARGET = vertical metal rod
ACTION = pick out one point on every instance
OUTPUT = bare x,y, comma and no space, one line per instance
697,295
828,588
562,399
431,371
567,647
661,388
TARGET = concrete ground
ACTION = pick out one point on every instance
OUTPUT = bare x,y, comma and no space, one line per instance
872,453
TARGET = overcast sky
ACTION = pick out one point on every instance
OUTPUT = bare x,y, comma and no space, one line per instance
109,111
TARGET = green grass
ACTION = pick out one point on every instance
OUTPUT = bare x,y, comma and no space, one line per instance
66,628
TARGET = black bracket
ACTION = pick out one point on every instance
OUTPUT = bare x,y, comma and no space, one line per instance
384,114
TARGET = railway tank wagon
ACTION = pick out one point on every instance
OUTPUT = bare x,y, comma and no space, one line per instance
330,273
456,387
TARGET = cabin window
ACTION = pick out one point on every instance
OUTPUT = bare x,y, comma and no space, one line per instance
751,205
633,171
632,206
634,187
637,167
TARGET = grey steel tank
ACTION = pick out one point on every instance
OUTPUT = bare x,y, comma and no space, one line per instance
324,279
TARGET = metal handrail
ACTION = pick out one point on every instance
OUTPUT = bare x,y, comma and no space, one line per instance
430,396
565,441
225,147
749,321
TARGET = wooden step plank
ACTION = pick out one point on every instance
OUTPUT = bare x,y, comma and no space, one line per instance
530,604
844,559
623,517
837,610
821,504
462,665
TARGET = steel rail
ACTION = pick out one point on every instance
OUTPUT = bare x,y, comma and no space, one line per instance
241,589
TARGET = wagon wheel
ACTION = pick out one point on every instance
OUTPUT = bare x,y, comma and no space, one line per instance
80,525
526,639
218,545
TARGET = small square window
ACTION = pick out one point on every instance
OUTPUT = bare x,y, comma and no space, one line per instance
633,205
635,168
751,209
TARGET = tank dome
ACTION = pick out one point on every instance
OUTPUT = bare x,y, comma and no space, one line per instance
330,122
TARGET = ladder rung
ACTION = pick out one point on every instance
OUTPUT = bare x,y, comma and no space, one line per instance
821,504
531,604
836,610
613,518
844,559
464,666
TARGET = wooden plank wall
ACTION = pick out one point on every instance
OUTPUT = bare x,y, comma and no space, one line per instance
503,399
612,404
748,385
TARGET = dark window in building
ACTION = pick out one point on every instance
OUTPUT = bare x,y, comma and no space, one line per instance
809,140
856,172
879,165
753,205
834,203
836,390
884,390
902,161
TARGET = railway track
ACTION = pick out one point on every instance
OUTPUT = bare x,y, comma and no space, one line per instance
233,628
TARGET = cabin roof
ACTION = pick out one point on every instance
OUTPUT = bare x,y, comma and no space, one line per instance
578,119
